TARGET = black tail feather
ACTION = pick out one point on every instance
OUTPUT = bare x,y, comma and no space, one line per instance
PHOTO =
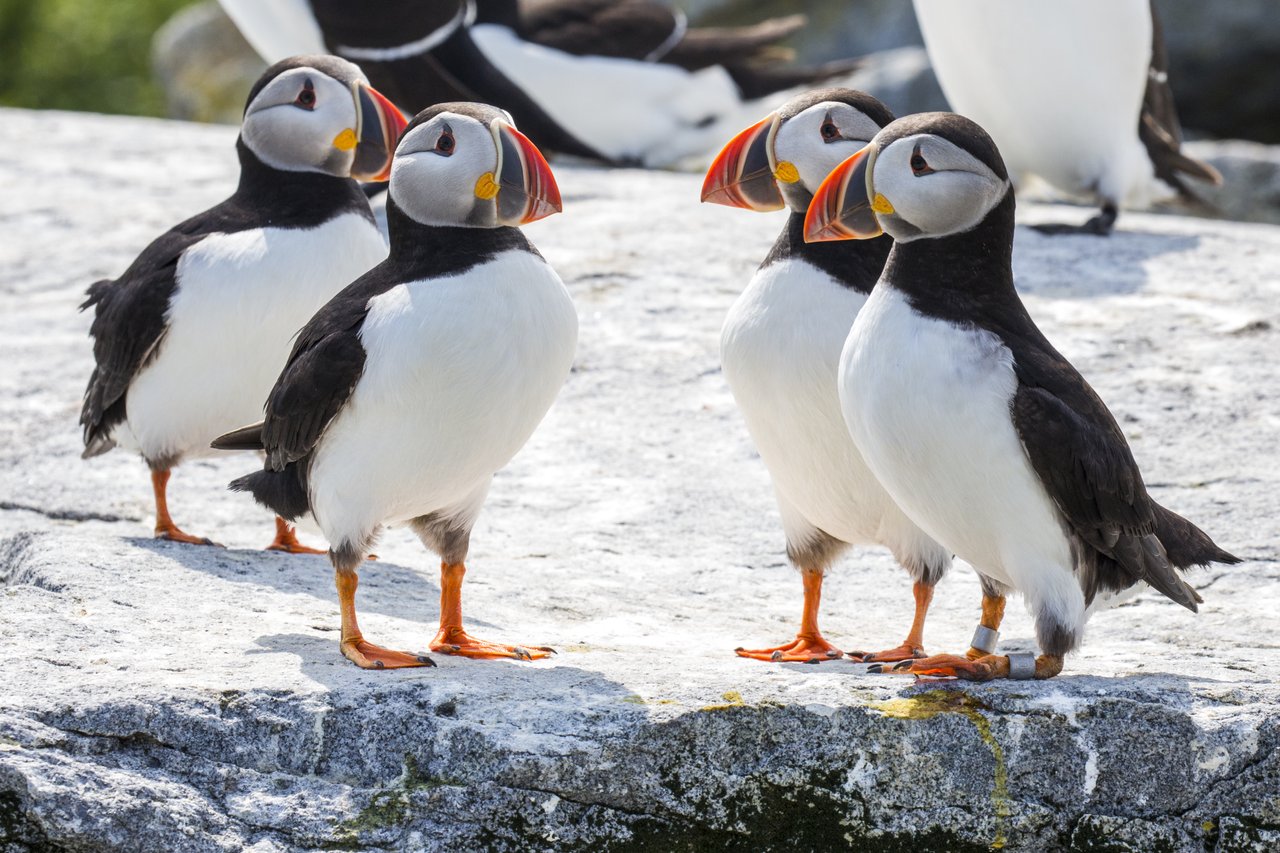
282,492
245,438
1186,544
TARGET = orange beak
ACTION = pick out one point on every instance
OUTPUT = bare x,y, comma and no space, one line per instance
527,190
842,207
379,127
742,174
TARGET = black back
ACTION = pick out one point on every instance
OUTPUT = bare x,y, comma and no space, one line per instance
129,312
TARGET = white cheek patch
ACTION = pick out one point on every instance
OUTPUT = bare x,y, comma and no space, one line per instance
952,199
293,139
799,141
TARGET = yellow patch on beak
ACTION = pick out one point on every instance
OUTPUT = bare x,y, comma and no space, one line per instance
346,140
786,172
881,205
486,187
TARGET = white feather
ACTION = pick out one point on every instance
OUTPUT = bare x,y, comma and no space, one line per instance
277,29
459,372
240,299
927,403
780,349
1058,85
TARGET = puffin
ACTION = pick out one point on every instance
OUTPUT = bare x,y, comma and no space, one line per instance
621,83
412,386
981,431
189,339
780,351
1074,93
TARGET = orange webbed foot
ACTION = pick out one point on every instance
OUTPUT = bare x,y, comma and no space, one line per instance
951,666
905,651
287,540
805,648
456,641
173,534
368,656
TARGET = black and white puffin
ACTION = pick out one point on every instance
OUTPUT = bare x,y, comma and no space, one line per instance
980,430
1076,93
188,341
780,349
411,387
626,83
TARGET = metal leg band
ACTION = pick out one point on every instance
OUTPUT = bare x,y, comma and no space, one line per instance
985,639
1022,666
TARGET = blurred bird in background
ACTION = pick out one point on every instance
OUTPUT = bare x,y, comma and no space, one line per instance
624,83
1076,93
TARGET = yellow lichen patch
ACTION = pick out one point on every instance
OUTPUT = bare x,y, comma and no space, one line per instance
732,699
923,706
637,699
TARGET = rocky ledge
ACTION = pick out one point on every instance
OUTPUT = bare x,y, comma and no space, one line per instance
158,697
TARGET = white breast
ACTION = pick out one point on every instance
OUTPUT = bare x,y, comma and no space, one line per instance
240,299
927,403
459,372
1058,85
780,349
645,112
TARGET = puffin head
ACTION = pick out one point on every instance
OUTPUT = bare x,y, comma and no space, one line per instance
466,164
781,160
319,114
922,177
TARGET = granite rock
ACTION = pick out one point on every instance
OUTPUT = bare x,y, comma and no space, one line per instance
159,697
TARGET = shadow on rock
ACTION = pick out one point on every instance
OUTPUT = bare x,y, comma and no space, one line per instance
385,588
1084,266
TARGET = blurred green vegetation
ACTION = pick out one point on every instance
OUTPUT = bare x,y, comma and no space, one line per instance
81,54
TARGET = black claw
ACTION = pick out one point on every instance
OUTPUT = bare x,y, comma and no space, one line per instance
522,654
424,659
776,656
379,664
902,666
813,660
456,648
740,649
832,654
546,649
876,667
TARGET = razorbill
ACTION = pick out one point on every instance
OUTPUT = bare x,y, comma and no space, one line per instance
780,349
1076,93
188,341
411,387
980,430
625,83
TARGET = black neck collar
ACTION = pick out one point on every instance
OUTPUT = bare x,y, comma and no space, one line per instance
961,277
421,251
856,264
294,199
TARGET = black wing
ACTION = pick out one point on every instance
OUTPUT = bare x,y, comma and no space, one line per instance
1158,125
128,326
624,29
1121,536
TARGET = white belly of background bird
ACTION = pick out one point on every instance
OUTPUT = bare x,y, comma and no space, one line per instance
964,478
263,284
1059,86
456,353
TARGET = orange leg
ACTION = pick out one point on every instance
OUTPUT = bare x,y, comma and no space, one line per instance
287,540
452,638
165,528
809,646
992,616
913,646
354,646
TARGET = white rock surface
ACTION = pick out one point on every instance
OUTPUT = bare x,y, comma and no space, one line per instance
163,697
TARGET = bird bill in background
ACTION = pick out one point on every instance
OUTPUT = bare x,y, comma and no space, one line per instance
846,204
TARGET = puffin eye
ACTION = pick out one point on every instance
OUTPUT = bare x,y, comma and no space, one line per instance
445,144
307,97
829,131
919,166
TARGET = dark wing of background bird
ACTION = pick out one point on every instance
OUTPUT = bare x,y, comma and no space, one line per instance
128,325
1159,128
647,30
1120,535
